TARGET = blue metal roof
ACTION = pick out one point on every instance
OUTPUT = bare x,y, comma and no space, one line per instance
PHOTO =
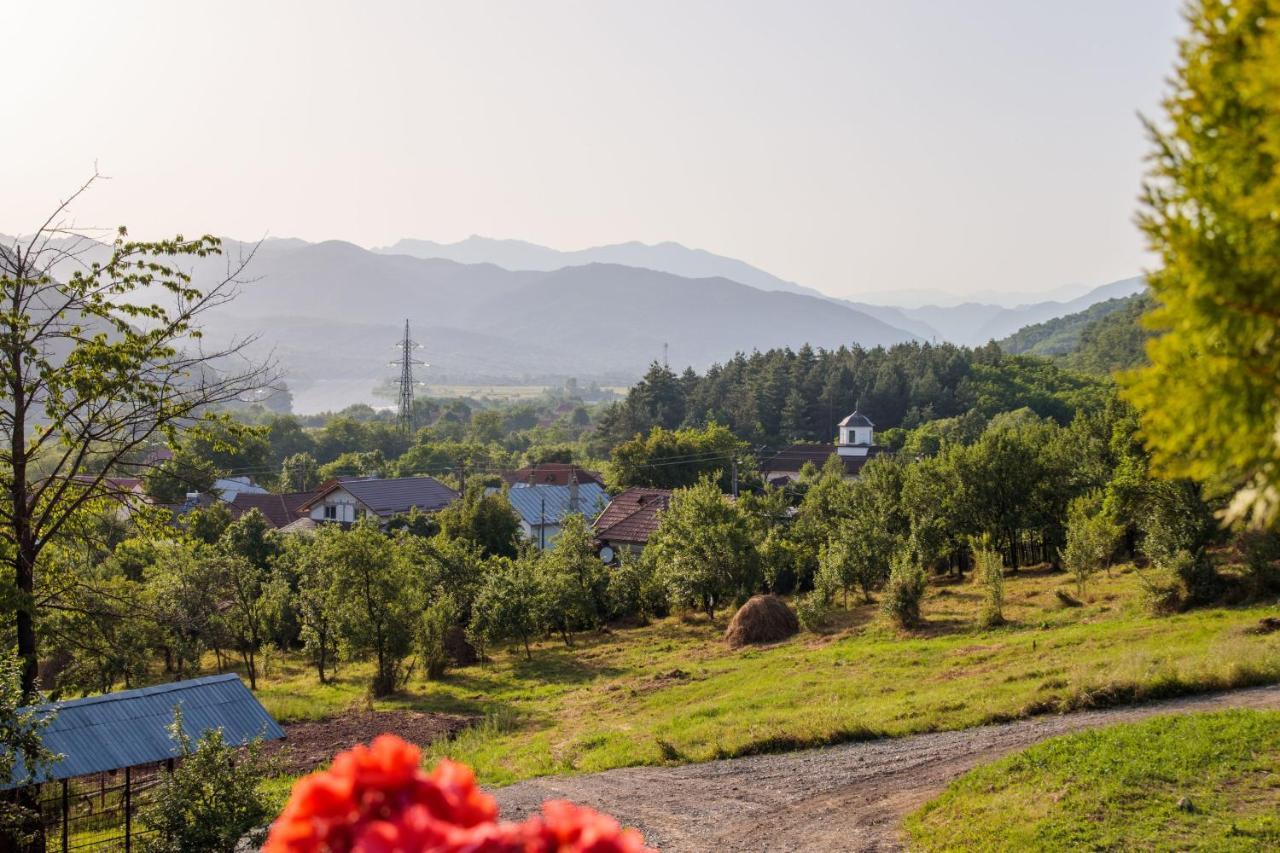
527,500
130,727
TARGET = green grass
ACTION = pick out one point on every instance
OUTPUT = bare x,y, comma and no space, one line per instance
672,692
1119,788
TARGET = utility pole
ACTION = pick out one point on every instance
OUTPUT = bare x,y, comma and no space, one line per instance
406,364
664,356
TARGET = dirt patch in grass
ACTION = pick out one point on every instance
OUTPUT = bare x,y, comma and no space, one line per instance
313,744
1266,625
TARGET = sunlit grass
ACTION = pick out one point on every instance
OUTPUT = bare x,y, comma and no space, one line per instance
672,691
1181,782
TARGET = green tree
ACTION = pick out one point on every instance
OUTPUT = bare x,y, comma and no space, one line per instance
172,480
21,738
706,549
1092,538
95,365
211,800
508,604
299,472
483,519
1210,399
673,459
376,594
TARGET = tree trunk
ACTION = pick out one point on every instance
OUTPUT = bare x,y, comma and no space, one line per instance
25,619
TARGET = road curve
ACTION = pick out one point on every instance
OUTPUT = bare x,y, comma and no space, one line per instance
849,797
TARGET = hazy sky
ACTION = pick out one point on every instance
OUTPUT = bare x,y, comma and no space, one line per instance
851,146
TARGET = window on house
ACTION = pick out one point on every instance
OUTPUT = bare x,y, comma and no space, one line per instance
331,512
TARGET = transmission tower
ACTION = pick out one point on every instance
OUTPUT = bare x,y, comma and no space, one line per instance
406,364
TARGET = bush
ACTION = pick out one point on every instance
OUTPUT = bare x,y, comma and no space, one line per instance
989,571
903,592
433,630
636,590
1092,537
211,800
812,611
1260,552
1163,588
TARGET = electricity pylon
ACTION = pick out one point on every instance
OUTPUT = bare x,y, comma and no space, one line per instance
406,364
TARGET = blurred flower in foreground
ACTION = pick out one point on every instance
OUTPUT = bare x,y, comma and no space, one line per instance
377,799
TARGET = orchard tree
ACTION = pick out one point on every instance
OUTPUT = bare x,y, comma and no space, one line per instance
508,605
1210,399
100,355
706,550
375,592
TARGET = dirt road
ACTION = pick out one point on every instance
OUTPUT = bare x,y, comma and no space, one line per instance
850,797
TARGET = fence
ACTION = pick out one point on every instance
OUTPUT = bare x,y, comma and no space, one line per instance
98,812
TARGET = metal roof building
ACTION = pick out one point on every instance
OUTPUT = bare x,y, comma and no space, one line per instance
550,504
130,727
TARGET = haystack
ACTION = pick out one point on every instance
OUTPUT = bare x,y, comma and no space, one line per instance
763,619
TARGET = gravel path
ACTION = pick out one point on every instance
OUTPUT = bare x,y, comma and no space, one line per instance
850,797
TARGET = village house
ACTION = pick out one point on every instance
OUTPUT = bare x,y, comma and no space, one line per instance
542,507
629,520
347,500
855,445
279,510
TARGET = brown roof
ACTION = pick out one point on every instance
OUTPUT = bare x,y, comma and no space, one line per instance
632,516
790,460
550,474
389,497
278,509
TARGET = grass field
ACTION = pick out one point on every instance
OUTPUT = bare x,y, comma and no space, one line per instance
672,692
1191,782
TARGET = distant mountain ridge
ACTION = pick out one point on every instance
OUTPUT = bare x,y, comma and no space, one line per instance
664,257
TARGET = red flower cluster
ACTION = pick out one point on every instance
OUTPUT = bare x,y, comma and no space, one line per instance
377,799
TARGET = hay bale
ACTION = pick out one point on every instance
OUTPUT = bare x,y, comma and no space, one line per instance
763,619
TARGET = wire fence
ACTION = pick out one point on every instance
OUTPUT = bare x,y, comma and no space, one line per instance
98,812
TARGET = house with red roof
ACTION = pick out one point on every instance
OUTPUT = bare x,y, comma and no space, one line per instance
629,520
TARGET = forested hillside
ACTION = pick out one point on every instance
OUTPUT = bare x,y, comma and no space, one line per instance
784,395
1101,339
1060,335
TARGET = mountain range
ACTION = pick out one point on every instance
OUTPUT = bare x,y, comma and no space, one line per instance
505,311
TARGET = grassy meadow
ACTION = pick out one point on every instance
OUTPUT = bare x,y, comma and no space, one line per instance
672,692
1180,782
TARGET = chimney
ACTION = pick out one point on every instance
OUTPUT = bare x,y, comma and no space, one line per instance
573,490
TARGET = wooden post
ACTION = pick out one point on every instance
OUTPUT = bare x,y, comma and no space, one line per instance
66,808
128,811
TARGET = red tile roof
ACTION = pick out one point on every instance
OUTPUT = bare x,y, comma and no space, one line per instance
632,516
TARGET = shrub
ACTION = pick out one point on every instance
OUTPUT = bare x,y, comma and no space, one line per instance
1092,537
1163,588
433,630
903,592
989,570
812,611
635,589
1260,551
211,800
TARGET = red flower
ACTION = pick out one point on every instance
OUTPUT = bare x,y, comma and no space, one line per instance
377,799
